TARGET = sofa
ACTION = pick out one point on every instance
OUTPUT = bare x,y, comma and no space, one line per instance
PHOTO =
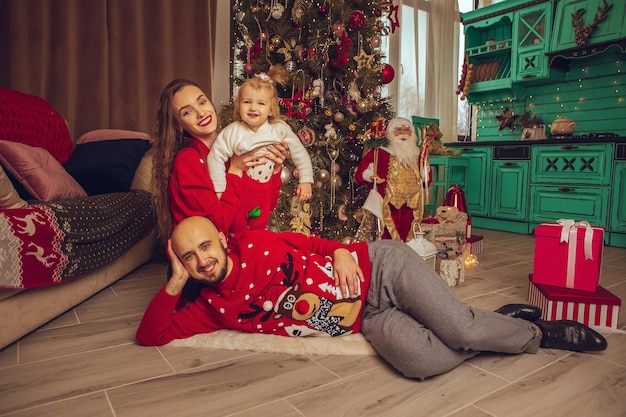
75,216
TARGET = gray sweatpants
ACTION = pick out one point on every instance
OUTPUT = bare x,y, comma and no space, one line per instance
420,326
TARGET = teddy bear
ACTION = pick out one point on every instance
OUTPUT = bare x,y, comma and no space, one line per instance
435,145
446,230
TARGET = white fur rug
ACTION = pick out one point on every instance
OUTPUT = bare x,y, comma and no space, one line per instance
354,344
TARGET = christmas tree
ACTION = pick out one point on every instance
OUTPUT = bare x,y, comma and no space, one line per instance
325,59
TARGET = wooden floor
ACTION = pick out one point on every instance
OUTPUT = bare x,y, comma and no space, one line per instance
86,363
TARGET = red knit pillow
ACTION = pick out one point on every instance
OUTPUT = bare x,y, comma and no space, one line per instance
31,120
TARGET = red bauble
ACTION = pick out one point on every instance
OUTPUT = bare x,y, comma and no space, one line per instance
323,10
357,19
248,69
387,74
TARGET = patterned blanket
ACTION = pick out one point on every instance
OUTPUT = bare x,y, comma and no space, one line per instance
48,243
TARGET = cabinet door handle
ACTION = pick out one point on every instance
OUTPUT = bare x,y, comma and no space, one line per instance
510,164
569,147
528,76
566,189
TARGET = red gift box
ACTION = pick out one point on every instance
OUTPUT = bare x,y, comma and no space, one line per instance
477,244
568,254
599,309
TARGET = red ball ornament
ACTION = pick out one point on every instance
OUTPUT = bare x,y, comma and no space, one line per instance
387,74
357,19
248,69
322,10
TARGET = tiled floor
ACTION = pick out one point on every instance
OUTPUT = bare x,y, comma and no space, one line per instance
86,363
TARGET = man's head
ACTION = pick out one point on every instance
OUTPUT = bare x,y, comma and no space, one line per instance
202,249
403,141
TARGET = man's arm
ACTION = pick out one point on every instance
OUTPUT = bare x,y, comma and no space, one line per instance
161,323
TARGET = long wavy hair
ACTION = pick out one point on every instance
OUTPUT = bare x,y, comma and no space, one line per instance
169,140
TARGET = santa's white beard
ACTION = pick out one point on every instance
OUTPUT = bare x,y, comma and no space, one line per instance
406,151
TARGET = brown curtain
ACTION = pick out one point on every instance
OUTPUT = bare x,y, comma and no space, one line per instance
103,63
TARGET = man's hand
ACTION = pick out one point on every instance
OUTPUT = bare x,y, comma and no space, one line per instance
347,273
179,272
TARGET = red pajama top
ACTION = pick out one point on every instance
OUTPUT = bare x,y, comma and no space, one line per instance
191,193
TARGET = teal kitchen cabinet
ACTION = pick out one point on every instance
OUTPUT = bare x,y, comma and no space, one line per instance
570,181
478,178
611,28
617,220
509,190
532,28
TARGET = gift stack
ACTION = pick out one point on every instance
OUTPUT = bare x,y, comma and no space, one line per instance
566,275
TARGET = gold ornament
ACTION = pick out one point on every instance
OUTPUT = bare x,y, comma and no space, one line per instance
336,181
339,117
328,112
323,175
352,127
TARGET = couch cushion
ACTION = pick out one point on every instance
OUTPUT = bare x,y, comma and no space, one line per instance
111,134
9,198
31,120
106,166
41,175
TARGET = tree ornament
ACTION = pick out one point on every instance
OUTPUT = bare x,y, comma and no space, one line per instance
357,20
363,105
328,112
338,29
297,105
338,117
290,66
307,136
342,51
298,11
387,74
285,175
278,10
375,41
248,68
393,17
363,60
322,10
276,41
323,175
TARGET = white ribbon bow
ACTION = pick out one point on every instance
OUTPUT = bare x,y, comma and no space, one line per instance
569,232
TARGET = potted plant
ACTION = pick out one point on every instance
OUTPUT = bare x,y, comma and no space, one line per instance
532,126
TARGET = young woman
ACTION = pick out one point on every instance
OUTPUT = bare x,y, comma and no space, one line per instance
186,130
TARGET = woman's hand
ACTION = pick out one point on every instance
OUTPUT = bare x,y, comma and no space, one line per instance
275,153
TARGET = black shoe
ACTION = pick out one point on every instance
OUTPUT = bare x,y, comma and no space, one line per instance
521,311
570,335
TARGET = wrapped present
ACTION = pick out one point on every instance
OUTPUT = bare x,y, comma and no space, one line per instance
596,309
568,254
452,271
476,242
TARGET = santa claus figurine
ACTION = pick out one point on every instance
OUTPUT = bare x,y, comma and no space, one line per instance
393,172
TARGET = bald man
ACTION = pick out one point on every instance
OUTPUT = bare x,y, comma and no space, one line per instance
288,284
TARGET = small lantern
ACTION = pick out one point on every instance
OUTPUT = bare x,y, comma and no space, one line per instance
423,247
